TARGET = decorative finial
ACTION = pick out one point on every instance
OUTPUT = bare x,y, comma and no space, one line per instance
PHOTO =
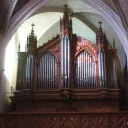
65,7
32,25
114,43
100,23
32,31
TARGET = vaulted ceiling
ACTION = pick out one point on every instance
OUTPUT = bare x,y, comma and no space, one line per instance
85,20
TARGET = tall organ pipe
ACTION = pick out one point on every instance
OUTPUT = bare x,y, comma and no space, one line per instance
55,75
69,65
54,71
89,71
85,69
62,64
39,74
65,62
45,67
114,73
78,65
52,74
82,69
30,74
102,68
93,72
48,77
50,63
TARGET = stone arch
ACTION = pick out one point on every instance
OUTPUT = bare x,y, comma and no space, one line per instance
105,11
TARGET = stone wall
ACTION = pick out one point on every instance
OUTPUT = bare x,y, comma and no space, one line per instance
5,92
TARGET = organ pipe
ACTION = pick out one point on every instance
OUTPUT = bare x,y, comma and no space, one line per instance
102,68
84,68
69,65
65,62
113,74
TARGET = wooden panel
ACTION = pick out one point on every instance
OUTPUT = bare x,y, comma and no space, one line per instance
61,120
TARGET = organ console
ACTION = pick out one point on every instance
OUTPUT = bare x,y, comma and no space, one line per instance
67,74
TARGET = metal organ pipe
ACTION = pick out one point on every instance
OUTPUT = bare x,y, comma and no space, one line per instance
50,68
69,70
94,73
30,74
48,78
82,69
44,80
86,69
102,63
39,75
32,71
62,62
78,75
114,73
54,72
77,71
46,86
65,62
40,72
99,65
89,70
102,68
43,72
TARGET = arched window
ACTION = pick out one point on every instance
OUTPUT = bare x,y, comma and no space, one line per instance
85,70
47,71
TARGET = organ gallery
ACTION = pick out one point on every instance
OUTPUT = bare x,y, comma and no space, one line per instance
67,74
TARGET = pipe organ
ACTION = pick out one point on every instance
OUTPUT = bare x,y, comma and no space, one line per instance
68,71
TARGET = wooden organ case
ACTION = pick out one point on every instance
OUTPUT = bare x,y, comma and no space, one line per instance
67,74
